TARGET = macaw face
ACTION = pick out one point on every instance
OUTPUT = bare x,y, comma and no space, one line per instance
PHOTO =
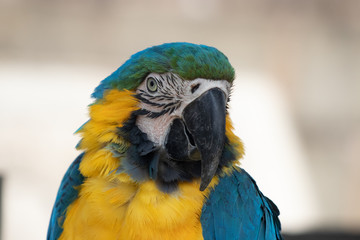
185,120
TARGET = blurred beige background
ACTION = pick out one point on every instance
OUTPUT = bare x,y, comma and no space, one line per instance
296,102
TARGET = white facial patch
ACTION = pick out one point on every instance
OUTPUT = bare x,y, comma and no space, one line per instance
168,101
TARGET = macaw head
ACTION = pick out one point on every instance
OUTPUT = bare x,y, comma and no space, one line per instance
163,116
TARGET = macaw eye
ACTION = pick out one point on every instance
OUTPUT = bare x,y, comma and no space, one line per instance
151,84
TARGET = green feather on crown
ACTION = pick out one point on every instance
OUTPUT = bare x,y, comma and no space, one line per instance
187,60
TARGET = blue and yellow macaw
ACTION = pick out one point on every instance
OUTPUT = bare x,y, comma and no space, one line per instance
160,157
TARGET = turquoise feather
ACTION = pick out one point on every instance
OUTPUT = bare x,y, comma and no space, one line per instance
237,210
66,195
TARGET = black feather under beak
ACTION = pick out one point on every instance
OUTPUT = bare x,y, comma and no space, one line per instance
201,134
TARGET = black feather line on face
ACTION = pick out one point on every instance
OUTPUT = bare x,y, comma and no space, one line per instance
158,114
166,107
145,100
143,156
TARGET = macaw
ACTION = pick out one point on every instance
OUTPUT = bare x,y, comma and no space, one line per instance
159,157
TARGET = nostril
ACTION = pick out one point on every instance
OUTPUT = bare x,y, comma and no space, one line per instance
194,87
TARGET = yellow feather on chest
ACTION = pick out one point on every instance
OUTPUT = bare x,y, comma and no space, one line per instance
125,210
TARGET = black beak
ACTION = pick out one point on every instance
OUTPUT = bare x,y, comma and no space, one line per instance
201,134
205,120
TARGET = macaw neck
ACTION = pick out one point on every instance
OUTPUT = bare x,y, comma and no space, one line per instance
113,145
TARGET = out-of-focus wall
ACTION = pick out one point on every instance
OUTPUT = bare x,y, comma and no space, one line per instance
296,102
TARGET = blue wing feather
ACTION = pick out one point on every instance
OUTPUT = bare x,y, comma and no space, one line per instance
66,195
236,209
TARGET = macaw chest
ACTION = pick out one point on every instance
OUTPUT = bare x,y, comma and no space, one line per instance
134,211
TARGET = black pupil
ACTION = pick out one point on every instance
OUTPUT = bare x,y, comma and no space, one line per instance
151,85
